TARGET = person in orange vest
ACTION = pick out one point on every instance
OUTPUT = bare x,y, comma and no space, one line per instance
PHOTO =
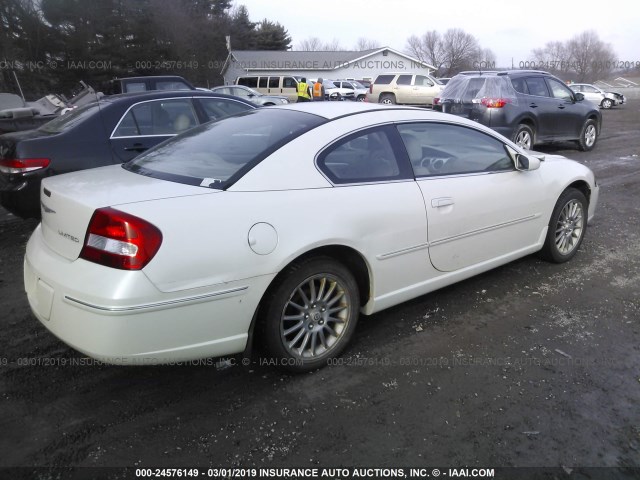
318,90
303,91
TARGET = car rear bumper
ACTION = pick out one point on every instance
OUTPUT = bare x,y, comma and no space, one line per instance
120,317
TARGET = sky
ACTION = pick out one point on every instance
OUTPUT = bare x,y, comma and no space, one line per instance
511,29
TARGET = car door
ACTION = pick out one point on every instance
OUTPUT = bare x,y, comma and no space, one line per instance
423,90
479,207
148,123
403,89
569,113
542,106
592,94
217,108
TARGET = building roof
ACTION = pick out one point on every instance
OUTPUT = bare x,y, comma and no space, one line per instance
277,60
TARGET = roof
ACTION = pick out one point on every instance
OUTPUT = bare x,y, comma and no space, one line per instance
278,60
331,110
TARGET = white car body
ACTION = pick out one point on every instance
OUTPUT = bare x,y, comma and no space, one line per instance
597,95
222,249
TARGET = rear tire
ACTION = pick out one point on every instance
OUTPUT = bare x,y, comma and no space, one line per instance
567,227
523,136
310,315
387,99
588,136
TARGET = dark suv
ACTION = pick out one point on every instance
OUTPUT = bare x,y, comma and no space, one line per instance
529,107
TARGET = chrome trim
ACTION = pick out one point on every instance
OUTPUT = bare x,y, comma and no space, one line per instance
134,308
385,256
484,230
189,98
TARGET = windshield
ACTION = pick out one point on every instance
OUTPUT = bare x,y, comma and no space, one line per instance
70,119
217,154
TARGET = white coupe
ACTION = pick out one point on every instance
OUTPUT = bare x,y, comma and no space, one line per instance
283,225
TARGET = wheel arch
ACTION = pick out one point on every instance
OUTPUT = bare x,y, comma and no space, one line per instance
583,187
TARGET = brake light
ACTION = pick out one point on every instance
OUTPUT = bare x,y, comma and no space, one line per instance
495,102
436,101
23,165
119,240
371,88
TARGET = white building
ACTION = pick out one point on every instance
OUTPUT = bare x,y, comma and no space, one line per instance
361,65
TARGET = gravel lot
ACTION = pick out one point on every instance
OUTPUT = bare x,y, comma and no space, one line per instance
532,364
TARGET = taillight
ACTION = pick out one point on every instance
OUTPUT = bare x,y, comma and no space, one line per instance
23,165
436,101
495,102
119,240
371,88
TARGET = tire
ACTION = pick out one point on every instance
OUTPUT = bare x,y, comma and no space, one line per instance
310,315
607,103
360,98
588,136
387,99
567,227
523,136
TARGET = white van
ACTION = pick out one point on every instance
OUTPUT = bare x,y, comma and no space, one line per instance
285,85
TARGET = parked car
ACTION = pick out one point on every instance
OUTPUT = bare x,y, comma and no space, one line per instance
215,237
444,80
251,95
529,107
285,85
145,84
598,96
113,130
359,90
404,89
334,91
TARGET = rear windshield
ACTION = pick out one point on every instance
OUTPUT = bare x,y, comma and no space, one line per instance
470,89
217,154
70,119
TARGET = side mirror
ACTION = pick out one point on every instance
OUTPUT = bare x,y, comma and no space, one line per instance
579,96
526,163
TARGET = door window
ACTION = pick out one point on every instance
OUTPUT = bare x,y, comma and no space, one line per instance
559,90
159,117
367,156
442,149
423,81
404,80
537,86
217,108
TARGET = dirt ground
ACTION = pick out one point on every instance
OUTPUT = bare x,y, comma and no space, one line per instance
530,365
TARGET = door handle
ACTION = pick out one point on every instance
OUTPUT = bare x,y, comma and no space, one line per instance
441,202
533,105
137,147
561,107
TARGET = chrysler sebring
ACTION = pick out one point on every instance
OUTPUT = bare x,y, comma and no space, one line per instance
278,227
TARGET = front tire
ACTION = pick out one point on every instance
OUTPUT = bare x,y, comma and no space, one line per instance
310,315
607,103
588,136
523,136
567,227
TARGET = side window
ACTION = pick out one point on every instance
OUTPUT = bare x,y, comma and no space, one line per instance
442,149
404,80
289,82
217,108
558,90
239,92
242,81
274,82
423,81
367,156
171,85
135,87
537,86
160,117
384,79
251,82
263,82
520,85
589,89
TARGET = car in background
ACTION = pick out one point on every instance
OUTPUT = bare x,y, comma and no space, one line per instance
251,95
112,130
404,89
527,106
598,96
444,80
145,84
333,90
359,90
213,238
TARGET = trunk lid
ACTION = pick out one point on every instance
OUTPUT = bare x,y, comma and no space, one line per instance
68,201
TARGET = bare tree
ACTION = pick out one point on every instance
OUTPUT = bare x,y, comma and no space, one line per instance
332,46
461,50
592,58
554,57
366,44
311,44
428,48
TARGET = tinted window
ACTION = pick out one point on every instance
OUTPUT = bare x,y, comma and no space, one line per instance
274,82
441,149
239,92
70,119
403,80
159,117
171,85
216,154
384,79
559,90
289,82
537,86
366,156
248,81
520,85
217,108
263,82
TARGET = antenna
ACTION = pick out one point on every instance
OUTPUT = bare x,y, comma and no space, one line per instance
19,87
